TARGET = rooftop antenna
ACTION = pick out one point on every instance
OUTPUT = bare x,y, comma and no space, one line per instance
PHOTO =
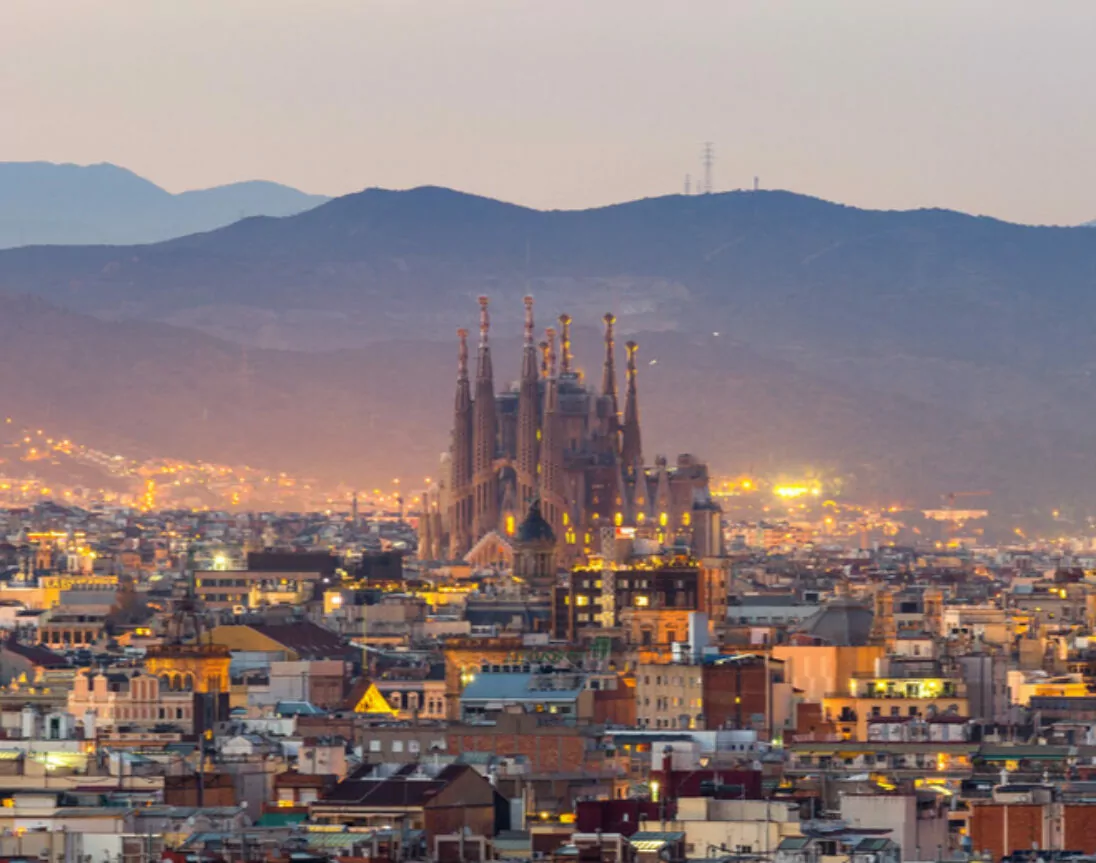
708,159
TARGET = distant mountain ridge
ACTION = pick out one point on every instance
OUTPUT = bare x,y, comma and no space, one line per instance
927,349
42,203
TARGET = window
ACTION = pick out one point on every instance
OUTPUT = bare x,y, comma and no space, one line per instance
397,746
413,746
374,746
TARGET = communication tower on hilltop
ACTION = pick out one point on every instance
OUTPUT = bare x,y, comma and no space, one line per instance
708,160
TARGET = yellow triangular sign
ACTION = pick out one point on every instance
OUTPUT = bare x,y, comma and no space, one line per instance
374,702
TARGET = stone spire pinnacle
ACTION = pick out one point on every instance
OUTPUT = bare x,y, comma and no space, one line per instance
460,463
528,340
528,430
631,451
564,344
608,370
485,322
485,432
550,353
462,354
551,444
608,385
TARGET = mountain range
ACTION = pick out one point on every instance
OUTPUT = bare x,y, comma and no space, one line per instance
915,353
42,203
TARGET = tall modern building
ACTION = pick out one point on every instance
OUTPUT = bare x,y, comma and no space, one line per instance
558,439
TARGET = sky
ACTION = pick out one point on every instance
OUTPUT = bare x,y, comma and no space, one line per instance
976,105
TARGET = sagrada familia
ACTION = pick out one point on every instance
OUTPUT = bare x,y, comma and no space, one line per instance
559,444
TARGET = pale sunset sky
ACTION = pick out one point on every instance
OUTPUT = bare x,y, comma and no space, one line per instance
977,105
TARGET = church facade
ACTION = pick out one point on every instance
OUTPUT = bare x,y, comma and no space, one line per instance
560,440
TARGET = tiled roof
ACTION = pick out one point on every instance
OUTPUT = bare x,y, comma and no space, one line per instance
306,639
37,655
406,787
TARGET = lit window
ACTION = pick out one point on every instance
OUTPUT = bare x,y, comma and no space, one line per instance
642,601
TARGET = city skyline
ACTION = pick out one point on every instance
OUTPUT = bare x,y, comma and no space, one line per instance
543,106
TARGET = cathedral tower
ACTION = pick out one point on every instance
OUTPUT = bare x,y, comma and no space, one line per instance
485,486
608,387
565,345
460,463
528,413
631,448
551,444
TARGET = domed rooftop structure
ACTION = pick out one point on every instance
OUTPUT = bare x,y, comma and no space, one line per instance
842,622
534,528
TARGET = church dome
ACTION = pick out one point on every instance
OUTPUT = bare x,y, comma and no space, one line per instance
534,528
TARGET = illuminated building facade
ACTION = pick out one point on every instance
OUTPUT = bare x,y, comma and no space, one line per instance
132,699
899,691
251,588
561,438
651,603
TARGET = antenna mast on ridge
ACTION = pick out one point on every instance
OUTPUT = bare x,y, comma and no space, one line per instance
708,160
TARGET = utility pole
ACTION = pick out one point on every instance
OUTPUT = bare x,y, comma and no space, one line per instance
708,160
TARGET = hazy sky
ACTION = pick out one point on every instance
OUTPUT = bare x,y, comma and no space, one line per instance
979,105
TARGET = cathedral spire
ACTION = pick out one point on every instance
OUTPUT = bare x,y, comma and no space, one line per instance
608,385
484,348
485,432
528,339
550,351
631,447
608,370
564,344
551,444
462,355
528,413
460,464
